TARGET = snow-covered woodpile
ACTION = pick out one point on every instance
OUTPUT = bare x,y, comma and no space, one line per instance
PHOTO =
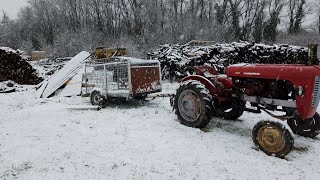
13,67
174,58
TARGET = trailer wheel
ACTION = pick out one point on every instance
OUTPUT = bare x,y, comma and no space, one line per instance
231,113
193,104
307,128
96,98
272,138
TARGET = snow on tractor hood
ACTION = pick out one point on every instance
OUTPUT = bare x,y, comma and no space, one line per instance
278,71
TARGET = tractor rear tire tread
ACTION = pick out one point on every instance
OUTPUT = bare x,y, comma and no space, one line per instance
205,99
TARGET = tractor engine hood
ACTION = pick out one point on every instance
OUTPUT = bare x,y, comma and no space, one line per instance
273,71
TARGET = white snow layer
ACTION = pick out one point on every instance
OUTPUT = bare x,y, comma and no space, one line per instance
7,49
58,139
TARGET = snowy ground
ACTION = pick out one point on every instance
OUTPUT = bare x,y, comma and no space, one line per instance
53,139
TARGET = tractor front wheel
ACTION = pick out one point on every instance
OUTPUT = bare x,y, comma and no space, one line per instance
231,113
306,128
193,104
272,138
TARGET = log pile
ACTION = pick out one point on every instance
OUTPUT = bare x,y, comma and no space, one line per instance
13,67
174,58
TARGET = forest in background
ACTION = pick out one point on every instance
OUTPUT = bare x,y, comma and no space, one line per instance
65,27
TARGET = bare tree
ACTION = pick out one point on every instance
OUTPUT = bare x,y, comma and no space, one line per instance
296,13
4,26
67,26
270,27
258,22
235,29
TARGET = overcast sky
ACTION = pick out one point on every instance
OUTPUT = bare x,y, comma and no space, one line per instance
11,7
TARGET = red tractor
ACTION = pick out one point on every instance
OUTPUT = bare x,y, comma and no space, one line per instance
291,89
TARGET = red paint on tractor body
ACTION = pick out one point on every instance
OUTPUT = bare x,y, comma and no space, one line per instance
299,75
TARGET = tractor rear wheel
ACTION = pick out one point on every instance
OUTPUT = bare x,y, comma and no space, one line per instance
306,128
193,104
96,98
272,138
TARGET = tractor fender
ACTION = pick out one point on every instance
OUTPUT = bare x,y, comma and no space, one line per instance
207,83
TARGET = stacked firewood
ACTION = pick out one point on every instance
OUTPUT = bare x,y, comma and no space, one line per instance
13,67
175,58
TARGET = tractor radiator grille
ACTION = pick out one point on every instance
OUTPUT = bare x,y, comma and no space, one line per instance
316,92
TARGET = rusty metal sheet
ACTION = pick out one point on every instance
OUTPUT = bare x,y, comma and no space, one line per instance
145,80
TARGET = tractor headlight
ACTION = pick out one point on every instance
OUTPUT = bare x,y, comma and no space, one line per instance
299,91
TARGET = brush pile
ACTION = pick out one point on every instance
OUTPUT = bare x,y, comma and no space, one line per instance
14,68
175,58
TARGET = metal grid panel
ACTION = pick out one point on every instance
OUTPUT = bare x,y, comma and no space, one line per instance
316,92
94,79
118,84
109,78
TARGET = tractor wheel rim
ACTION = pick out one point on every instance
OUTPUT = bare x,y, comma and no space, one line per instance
189,105
271,139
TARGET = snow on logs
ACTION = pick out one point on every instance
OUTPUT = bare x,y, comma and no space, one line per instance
13,67
177,57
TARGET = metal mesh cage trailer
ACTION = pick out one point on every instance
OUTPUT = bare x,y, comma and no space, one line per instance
122,79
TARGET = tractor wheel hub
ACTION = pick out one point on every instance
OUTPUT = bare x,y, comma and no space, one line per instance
189,105
271,139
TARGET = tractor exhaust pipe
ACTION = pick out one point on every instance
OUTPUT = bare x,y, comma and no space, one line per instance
313,54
